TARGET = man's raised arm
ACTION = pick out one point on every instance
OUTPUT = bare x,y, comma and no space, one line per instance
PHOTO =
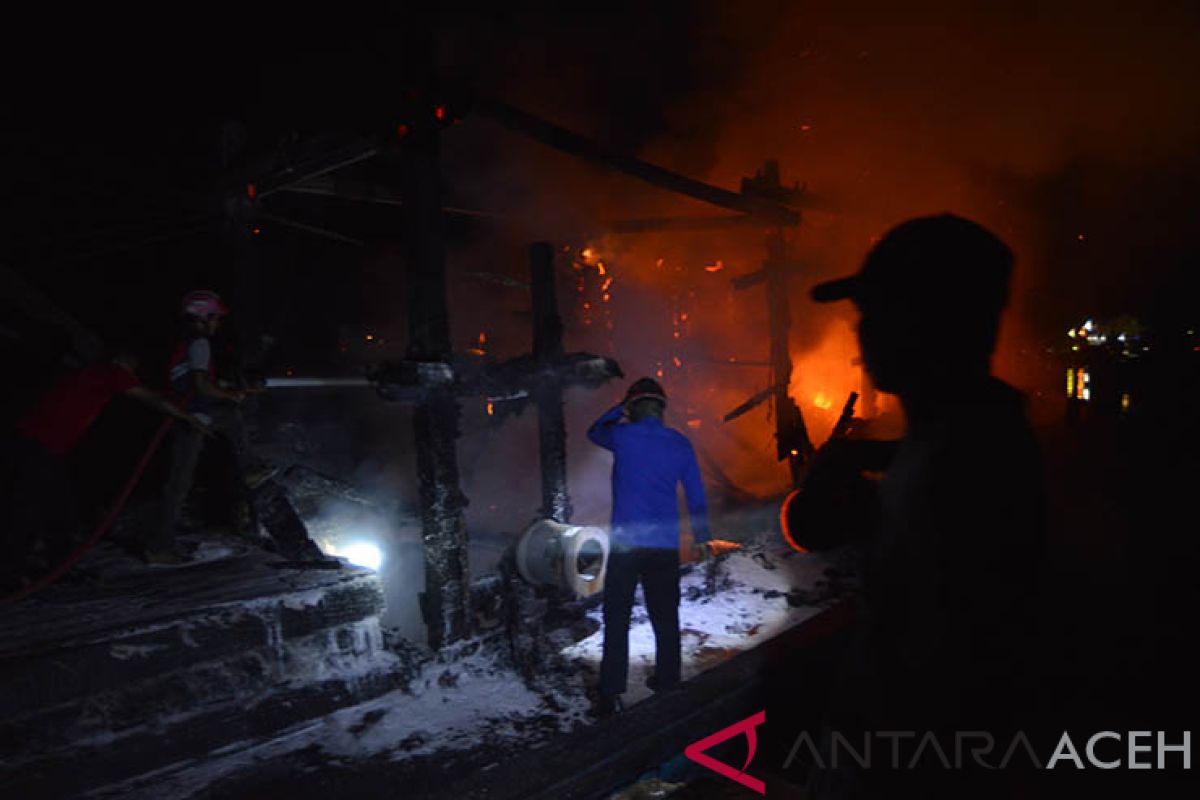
601,432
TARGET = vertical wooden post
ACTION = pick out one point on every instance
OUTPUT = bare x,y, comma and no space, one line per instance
791,434
548,348
445,602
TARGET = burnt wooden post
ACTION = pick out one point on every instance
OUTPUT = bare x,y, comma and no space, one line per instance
445,602
548,349
791,434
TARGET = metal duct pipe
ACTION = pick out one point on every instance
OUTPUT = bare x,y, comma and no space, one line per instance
571,557
316,383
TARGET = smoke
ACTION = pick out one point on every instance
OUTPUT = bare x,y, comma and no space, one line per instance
1032,120
1070,131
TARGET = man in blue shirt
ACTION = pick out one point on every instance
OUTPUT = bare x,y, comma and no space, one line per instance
649,461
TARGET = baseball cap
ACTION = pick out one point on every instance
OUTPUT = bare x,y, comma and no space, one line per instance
930,261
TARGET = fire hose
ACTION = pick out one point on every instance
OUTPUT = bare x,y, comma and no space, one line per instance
102,527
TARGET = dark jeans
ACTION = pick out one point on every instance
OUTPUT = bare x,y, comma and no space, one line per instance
38,505
186,444
658,571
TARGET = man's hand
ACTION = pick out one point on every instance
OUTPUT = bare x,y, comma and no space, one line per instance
198,424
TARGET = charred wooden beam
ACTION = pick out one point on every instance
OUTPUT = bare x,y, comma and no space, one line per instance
791,434
516,378
657,224
756,400
362,192
276,175
315,230
742,282
445,602
547,350
560,138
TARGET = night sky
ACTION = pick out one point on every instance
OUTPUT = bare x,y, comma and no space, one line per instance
1071,130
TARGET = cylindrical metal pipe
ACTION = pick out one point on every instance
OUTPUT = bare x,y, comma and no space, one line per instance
316,383
571,557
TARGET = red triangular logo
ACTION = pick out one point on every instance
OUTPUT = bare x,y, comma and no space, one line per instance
695,751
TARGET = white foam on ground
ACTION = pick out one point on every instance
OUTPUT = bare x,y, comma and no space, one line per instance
462,704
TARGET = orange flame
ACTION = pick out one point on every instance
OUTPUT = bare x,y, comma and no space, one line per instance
719,547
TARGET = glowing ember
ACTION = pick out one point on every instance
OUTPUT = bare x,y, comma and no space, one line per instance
822,401
720,547
480,349
716,266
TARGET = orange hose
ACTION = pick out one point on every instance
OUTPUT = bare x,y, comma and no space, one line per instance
783,522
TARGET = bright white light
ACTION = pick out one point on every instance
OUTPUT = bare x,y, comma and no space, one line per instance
362,554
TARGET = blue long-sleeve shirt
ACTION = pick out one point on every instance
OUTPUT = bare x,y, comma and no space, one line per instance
649,462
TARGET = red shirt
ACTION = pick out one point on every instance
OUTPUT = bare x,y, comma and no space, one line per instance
64,414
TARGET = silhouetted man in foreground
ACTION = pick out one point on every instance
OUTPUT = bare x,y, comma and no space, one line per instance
950,570
650,460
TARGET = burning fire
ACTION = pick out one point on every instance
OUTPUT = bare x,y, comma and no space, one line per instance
823,377
480,348
681,320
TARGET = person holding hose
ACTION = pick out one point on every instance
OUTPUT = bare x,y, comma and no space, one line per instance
192,375
40,507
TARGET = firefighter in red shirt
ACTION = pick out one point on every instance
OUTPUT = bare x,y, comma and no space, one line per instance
40,505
